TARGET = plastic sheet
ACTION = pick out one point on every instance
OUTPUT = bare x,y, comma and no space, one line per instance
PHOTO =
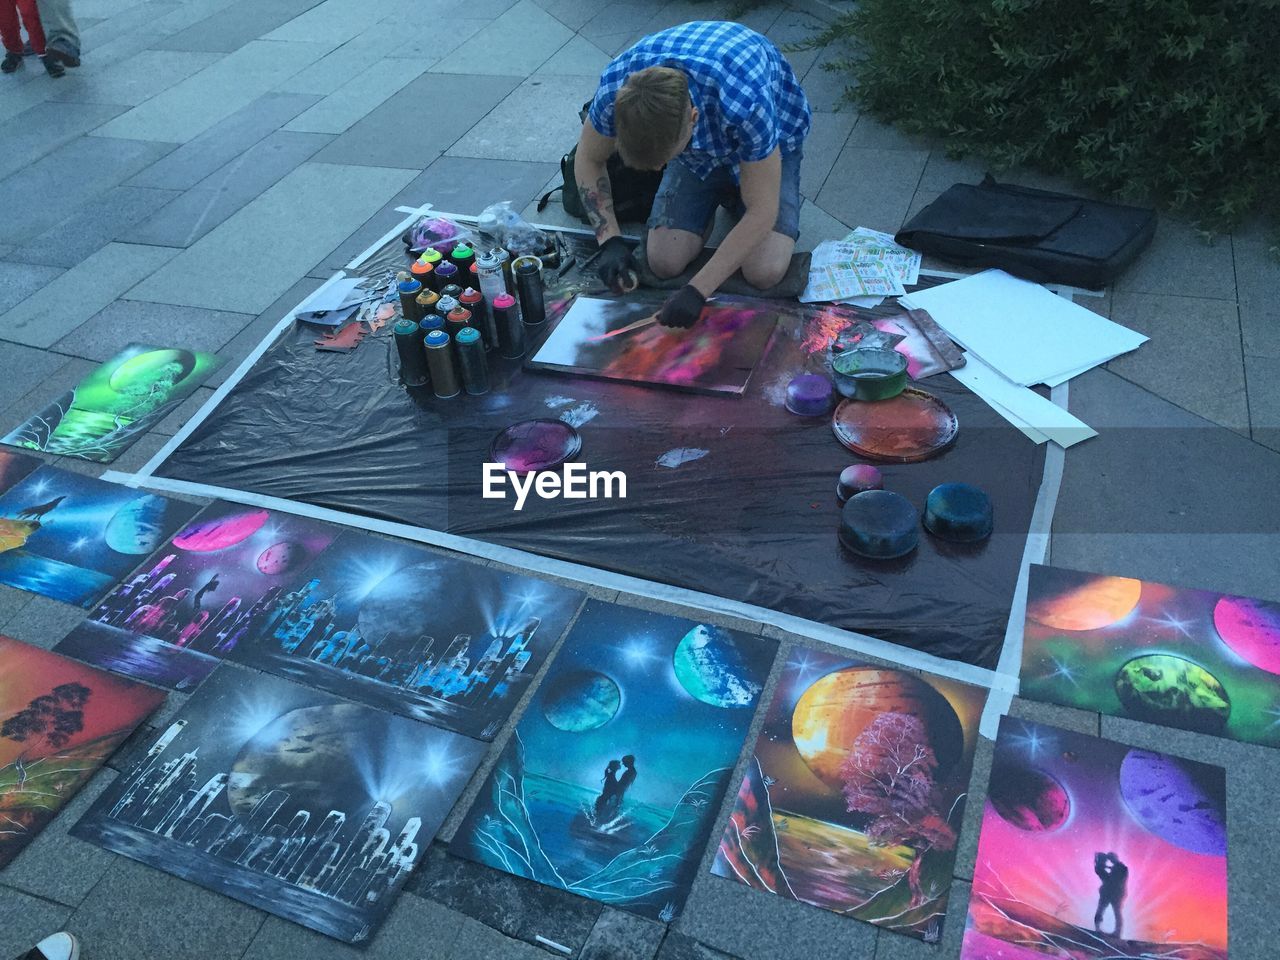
754,519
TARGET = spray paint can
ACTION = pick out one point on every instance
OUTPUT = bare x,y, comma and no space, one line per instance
409,290
421,272
445,304
510,328
413,361
427,301
432,321
458,319
474,273
472,300
505,259
440,365
451,290
462,258
528,271
432,256
475,369
492,285
445,273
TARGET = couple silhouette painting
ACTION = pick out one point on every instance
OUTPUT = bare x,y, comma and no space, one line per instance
1115,878
609,803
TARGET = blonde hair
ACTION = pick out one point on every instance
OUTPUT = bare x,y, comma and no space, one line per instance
650,113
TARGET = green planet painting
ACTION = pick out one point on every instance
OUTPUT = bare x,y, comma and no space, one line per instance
109,409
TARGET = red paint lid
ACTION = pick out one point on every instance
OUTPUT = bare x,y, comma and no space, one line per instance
470,295
459,315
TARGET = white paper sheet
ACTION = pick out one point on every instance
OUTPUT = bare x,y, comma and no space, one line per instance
1017,403
337,294
1021,329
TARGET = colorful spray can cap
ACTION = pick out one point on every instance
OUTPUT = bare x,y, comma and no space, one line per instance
431,255
470,296
437,338
459,315
432,321
445,304
420,270
467,335
503,301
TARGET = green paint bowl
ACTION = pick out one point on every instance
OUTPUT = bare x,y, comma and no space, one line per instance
870,374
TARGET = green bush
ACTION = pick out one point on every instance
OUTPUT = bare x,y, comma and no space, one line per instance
1173,102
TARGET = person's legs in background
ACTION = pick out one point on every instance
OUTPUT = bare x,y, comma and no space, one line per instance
61,33
11,35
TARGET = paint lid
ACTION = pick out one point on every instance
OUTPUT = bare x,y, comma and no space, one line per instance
857,479
410,286
467,335
446,269
809,395
431,255
879,525
459,315
474,270
535,445
437,338
470,295
451,290
405,328
420,269
432,321
428,297
504,301
527,264
959,512
487,259
446,303
462,251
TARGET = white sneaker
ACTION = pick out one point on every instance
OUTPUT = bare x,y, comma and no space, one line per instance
58,946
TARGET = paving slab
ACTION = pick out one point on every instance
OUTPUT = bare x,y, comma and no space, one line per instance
55,865
415,927
250,259
353,100
231,28
793,28
47,316
872,134
822,148
11,598
190,216
897,946
577,58
1193,358
514,45
424,41
342,65
1263,378
44,127
118,918
134,80
872,187
43,622
223,143
1179,263
573,13
623,936
478,942
942,171
28,920
1257,283
824,88
247,339
816,225
67,178
93,224
191,107
677,946
618,18
383,138
18,281
507,134
334,22
117,325
25,368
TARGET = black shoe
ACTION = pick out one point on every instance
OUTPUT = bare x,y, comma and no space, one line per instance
52,67
12,61
62,56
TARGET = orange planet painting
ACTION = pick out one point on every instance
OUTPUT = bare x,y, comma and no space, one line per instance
1097,603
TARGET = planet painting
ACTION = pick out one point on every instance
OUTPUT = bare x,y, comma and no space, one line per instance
392,612
1251,628
1173,800
206,536
711,668
1098,603
137,527
581,700
836,708
307,753
281,558
1028,798
1158,688
152,366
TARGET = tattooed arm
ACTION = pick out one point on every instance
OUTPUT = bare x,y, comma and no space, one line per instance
591,173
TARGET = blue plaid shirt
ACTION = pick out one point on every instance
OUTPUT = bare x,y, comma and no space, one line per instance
748,98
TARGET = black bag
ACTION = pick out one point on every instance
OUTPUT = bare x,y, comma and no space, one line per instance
1034,234
633,190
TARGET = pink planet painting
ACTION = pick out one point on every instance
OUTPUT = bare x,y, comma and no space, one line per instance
1251,628
280,558
206,536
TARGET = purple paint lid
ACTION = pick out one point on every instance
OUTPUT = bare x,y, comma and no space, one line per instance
810,395
857,479
532,445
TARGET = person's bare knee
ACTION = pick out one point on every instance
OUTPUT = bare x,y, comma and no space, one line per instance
669,251
768,266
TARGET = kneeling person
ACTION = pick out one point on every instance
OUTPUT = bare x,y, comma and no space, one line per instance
719,105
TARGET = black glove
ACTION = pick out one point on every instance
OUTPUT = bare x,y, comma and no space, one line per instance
614,263
683,309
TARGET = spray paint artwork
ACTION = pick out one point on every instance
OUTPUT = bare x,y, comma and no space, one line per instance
1091,850
59,722
14,467
70,537
113,406
402,628
290,800
1192,659
611,782
854,798
717,355
217,581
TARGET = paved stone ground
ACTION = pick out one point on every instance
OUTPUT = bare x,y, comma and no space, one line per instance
214,160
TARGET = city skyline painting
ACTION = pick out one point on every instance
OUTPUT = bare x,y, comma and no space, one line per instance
1193,659
200,594
69,537
609,786
287,799
1092,850
59,722
854,798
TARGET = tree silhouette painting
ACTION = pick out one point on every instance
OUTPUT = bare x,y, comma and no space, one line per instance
889,775
53,718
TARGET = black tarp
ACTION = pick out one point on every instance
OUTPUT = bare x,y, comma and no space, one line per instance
754,520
